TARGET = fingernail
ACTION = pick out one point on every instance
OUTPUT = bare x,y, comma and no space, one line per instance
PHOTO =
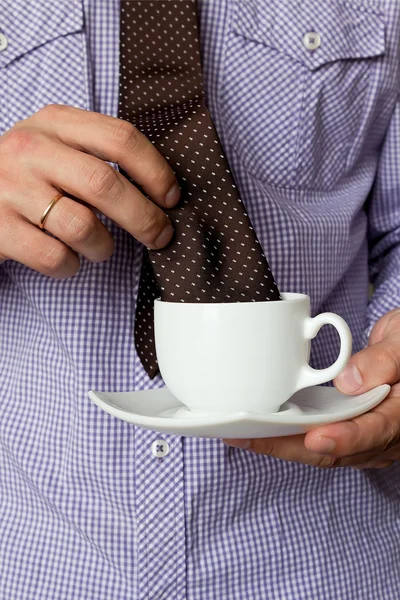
165,236
172,196
350,380
322,445
238,443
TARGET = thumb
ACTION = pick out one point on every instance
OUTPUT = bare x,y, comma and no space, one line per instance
373,366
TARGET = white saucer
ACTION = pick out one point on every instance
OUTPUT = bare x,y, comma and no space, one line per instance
160,411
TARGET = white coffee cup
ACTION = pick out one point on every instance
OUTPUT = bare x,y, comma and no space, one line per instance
247,356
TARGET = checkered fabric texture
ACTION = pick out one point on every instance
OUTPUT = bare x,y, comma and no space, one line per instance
86,511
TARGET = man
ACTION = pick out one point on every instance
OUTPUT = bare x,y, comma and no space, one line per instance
305,100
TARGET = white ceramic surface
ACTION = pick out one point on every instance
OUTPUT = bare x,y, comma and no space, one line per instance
236,356
160,411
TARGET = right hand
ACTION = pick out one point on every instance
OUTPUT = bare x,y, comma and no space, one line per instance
65,148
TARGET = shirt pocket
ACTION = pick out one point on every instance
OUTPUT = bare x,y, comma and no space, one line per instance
293,114
44,61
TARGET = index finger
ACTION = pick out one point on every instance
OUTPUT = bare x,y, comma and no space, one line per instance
113,140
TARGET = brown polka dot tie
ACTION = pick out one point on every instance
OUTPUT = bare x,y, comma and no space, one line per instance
215,255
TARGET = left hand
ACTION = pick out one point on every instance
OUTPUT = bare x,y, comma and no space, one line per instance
371,440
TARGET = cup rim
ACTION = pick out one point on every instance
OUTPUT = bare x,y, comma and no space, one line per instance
291,297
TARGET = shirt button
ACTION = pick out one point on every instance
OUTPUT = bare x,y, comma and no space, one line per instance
312,40
160,448
3,42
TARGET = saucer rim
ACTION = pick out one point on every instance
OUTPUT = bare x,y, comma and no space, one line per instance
150,421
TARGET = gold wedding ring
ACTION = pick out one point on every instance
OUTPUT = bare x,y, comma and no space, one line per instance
48,209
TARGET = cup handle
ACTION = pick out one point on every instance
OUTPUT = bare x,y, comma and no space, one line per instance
310,376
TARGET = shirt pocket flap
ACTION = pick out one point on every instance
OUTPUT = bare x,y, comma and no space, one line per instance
28,25
347,30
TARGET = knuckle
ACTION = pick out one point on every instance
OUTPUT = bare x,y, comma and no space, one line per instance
82,227
126,135
162,174
151,223
19,141
390,322
394,363
53,258
51,112
380,355
389,362
101,180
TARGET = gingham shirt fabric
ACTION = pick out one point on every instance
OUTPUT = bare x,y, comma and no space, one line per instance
86,511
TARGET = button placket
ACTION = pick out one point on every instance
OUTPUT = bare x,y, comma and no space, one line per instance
159,503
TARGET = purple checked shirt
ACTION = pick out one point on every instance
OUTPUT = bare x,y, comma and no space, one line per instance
87,512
